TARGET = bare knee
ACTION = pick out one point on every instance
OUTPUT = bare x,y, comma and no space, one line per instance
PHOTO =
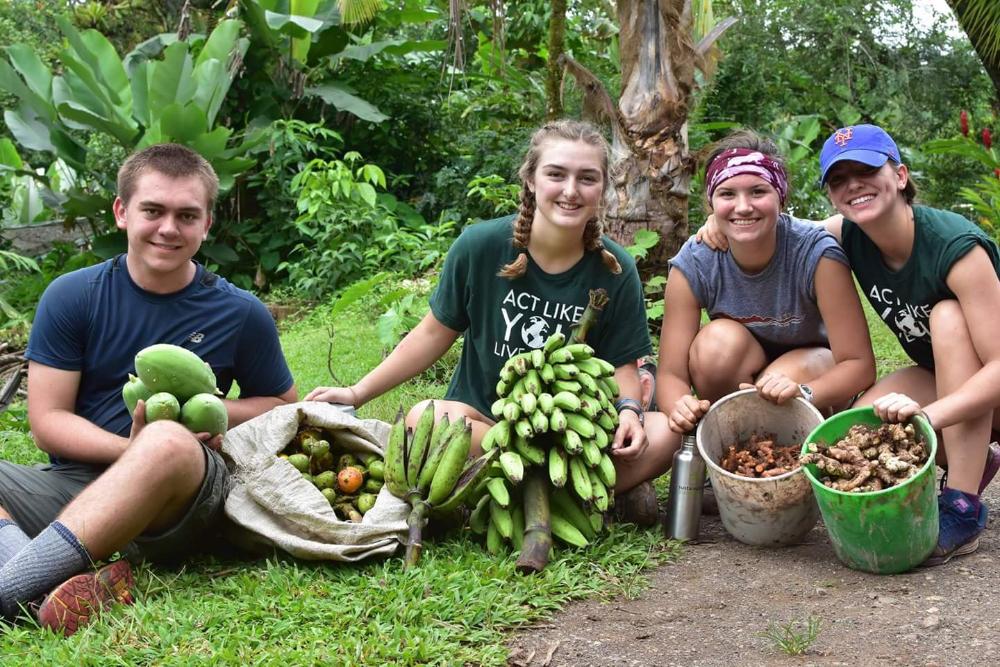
414,414
947,321
165,446
719,349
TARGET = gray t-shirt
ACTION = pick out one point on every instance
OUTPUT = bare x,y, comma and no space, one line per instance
778,305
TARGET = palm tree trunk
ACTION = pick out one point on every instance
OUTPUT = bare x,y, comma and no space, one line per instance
980,19
553,73
651,166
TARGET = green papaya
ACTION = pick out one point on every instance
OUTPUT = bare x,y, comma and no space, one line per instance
164,367
134,391
162,406
205,413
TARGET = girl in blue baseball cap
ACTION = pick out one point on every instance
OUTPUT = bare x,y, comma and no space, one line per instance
931,275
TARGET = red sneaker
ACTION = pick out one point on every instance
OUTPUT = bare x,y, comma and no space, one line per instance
73,603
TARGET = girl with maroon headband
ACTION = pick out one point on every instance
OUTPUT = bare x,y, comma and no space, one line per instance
784,314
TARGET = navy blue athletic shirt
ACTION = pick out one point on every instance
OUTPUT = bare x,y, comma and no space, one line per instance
95,320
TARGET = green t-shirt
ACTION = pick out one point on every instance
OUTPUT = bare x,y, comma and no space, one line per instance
904,298
501,317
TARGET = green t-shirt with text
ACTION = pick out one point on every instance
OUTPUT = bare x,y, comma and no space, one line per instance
904,298
501,317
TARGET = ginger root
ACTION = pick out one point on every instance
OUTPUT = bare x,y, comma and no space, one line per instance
869,458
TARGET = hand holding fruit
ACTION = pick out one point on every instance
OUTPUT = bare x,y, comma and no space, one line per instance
174,383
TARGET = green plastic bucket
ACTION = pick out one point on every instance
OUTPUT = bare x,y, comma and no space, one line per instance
884,532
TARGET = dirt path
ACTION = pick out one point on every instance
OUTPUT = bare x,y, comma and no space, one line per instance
711,606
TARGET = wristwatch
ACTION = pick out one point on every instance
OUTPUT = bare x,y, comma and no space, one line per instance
633,405
806,392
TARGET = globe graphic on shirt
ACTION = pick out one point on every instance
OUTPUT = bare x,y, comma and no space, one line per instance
535,332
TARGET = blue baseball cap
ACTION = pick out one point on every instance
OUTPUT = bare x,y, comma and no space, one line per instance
867,144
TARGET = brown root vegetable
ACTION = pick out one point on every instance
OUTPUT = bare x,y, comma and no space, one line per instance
869,458
759,456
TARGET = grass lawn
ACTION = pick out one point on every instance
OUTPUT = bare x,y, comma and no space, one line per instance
456,608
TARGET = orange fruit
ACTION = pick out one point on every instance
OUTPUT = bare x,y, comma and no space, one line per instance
350,479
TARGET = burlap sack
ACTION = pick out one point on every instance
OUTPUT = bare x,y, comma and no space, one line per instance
272,505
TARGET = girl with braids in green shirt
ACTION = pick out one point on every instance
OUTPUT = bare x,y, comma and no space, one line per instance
508,284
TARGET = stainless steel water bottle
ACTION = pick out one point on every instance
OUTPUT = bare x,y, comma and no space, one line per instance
687,483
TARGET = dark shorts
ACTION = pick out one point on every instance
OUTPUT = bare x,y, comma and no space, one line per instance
35,495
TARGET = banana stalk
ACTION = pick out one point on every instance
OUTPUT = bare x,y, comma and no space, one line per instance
415,522
537,523
598,299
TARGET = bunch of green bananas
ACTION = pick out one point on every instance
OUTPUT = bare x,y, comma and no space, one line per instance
555,411
429,468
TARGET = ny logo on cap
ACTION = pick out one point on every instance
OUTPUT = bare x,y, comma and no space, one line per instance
841,137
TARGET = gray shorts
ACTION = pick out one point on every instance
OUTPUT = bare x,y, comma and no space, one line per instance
35,495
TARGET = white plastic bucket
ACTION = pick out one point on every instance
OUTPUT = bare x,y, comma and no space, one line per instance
772,511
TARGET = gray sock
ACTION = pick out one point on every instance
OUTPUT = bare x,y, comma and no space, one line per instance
12,540
47,561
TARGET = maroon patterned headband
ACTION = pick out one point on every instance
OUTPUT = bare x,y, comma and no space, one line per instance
735,161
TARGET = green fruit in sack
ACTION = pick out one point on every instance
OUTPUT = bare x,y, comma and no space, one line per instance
299,461
325,480
206,413
366,501
162,406
173,369
330,495
134,391
376,469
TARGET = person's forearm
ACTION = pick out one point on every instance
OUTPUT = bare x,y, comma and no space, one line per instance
976,396
669,388
245,409
627,377
842,383
414,354
66,435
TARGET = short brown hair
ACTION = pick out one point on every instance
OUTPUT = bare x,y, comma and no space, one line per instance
910,190
172,160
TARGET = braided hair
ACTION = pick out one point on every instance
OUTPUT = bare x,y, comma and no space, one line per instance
571,130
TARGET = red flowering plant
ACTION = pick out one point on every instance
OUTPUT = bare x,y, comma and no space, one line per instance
983,196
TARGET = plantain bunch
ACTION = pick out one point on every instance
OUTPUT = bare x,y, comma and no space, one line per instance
555,411
350,482
429,468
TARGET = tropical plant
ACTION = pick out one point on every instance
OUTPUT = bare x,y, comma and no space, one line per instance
11,263
651,161
796,136
350,229
980,19
983,197
167,89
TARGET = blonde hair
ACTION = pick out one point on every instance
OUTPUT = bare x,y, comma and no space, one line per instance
570,130
173,160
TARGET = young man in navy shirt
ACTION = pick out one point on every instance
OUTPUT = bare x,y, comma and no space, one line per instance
115,483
